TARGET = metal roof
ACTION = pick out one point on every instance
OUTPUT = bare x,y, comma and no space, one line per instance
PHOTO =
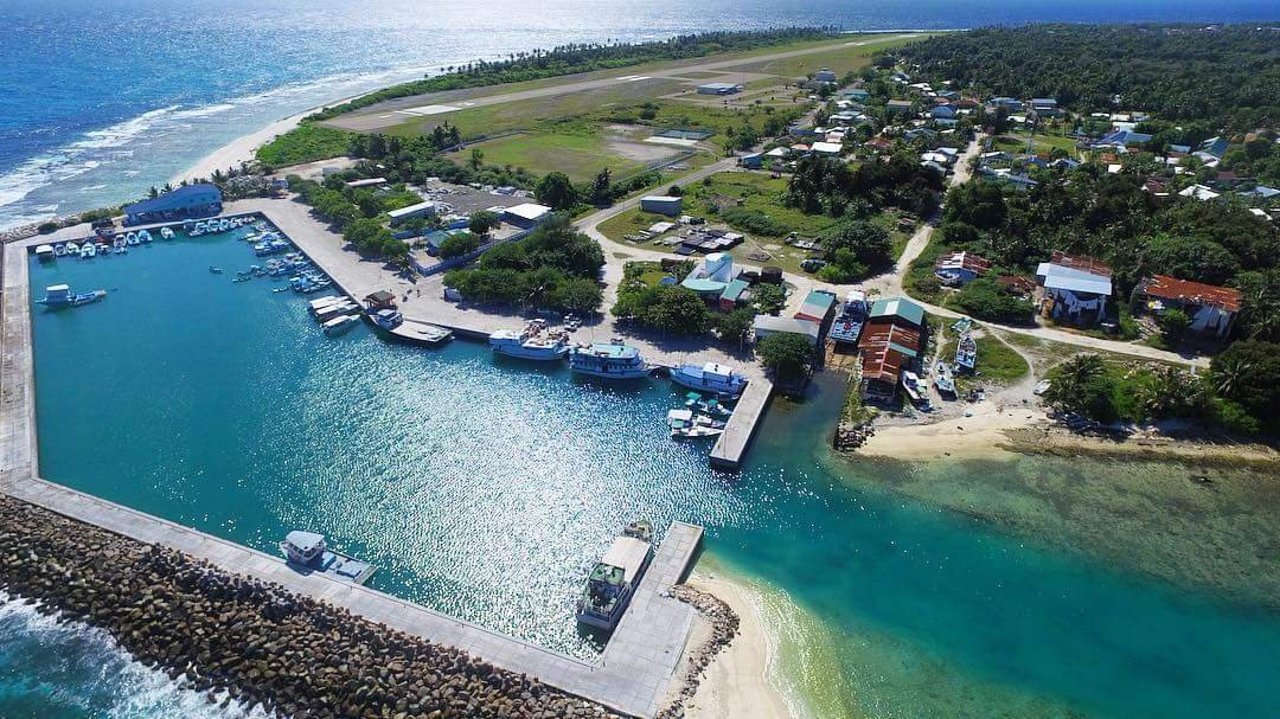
899,307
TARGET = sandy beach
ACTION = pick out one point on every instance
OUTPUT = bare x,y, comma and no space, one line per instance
982,435
240,150
737,682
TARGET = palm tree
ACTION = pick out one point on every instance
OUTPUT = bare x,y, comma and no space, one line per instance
1071,377
1230,376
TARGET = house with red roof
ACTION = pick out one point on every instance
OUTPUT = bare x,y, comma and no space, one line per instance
1212,309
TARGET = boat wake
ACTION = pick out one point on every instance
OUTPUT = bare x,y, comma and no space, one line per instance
51,666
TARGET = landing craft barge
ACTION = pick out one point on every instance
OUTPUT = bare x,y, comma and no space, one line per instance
307,551
613,580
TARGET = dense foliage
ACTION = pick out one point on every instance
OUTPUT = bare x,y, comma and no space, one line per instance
1227,75
854,250
307,142
987,300
580,57
555,267
829,186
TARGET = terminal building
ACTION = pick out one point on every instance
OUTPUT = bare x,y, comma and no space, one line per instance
184,203
719,88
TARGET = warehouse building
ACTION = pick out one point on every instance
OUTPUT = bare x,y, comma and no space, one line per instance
183,203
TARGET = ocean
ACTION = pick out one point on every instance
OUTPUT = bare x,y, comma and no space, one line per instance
102,99
486,488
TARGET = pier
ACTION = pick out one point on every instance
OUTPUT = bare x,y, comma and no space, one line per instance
732,445
633,675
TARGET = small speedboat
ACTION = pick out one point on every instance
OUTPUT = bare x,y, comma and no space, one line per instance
339,324
87,250
215,270
59,250
144,236
132,240
72,249
166,233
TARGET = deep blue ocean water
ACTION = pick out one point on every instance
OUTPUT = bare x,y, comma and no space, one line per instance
486,488
101,99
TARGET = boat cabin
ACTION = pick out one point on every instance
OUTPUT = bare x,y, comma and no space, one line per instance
303,547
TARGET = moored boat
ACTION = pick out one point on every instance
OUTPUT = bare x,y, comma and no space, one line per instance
967,352
709,377
387,319
610,361
88,250
307,550
614,579
338,325
166,233
531,344
45,253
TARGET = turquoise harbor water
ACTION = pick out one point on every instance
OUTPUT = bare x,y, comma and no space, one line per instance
486,488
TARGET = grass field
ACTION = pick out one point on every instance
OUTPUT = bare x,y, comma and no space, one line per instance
578,155
1040,143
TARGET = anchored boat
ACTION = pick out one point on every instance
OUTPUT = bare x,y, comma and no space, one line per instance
531,344
56,296
614,578
709,377
307,550
610,361
339,324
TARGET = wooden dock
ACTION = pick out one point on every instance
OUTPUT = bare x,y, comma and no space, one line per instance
732,445
633,676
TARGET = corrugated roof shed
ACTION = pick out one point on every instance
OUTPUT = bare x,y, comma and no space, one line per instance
1195,293
898,307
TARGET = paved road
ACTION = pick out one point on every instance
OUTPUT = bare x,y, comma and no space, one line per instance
391,112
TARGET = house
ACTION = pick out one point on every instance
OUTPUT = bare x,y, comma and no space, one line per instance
825,76
858,94
888,347
1044,106
719,88
899,309
1199,192
1009,103
734,293
710,280
422,209
895,106
960,268
829,149
1019,181
662,204
1122,138
753,161
527,216
1212,309
765,325
1076,289
1262,192
943,112
816,306
188,202
1180,150
1216,146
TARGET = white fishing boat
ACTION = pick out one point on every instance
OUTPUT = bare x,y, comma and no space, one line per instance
613,580
709,377
339,324
45,253
967,352
610,361
87,250
166,233
531,344
943,379
60,250
328,312
132,240
144,235
307,551
387,319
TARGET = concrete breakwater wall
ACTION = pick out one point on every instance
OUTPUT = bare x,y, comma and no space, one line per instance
216,631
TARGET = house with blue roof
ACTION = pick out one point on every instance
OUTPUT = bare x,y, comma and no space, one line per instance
185,203
1216,146
1123,138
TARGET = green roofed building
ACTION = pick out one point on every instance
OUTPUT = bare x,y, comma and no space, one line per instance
900,308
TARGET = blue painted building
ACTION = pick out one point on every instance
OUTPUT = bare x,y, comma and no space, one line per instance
183,203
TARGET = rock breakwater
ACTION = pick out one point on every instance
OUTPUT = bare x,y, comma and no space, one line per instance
262,645
724,627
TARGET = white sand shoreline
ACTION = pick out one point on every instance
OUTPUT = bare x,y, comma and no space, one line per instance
737,682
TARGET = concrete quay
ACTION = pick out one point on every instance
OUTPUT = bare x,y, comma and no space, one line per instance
633,675
732,445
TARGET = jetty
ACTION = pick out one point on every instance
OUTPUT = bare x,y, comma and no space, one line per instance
632,676
732,445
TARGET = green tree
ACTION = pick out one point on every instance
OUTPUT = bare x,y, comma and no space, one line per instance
768,299
556,191
1173,325
1248,372
458,245
986,299
483,222
602,188
476,160
734,326
787,355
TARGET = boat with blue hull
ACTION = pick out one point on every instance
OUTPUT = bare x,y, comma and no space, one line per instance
608,361
709,377
58,296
